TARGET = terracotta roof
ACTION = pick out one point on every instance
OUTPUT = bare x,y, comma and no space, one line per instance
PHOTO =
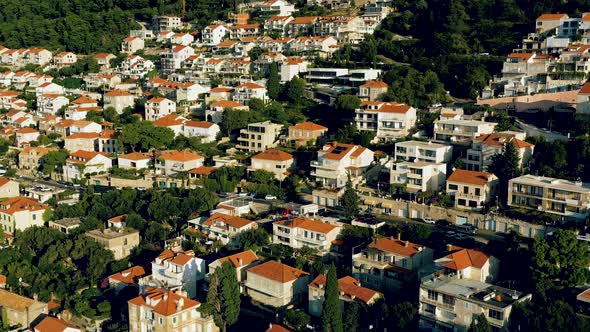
276,271
337,151
349,287
585,89
41,151
304,20
464,258
169,120
199,124
130,275
226,103
277,328
156,100
135,156
522,56
27,130
4,181
118,219
310,126
222,89
585,294
245,26
203,170
392,107
108,133
53,305
20,203
403,248
117,93
3,279
250,85
86,155
498,140
164,305
52,324
470,177
182,156
278,18
551,17
240,259
103,55
274,154
375,84
309,224
225,219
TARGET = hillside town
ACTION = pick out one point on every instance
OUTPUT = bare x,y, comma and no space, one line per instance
272,170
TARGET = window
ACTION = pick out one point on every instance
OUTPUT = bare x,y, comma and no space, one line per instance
452,187
461,202
495,314
448,300
174,320
477,191
466,190
432,295
429,308
34,217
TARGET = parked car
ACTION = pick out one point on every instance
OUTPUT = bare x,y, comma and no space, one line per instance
443,223
428,220
466,228
270,197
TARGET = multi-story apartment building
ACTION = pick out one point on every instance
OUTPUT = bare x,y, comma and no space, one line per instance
350,290
450,304
176,270
158,107
277,7
337,161
389,121
259,136
423,151
171,59
83,162
226,228
471,190
484,147
302,232
278,162
166,23
243,93
31,158
160,310
556,196
241,261
20,310
213,34
174,161
276,284
387,263
118,240
461,130
20,213
372,90
471,264
419,175
131,45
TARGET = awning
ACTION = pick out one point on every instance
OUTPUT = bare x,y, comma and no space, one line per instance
386,205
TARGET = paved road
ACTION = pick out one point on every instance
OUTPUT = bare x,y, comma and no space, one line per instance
534,131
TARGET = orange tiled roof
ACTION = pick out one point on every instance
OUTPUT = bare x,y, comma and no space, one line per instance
176,155
463,258
403,248
52,324
309,224
226,103
277,328
199,124
130,275
222,89
585,88
276,271
169,120
117,93
203,170
41,151
83,136
470,177
551,17
304,20
20,203
154,299
135,156
240,259
225,219
274,154
349,287
522,56
250,85
27,130
309,126
375,84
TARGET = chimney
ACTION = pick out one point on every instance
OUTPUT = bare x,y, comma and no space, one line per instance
35,297
165,296
449,247
240,261
406,244
179,304
399,236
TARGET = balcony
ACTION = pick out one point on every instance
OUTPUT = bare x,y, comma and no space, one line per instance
325,174
438,304
321,165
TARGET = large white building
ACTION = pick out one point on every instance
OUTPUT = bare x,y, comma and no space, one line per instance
461,130
302,232
485,147
550,195
20,213
158,107
336,161
419,175
176,270
389,121
423,151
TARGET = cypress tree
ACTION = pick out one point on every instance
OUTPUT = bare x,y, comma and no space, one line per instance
350,200
273,83
332,306
223,298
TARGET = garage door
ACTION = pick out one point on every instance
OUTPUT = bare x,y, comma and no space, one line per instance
461,220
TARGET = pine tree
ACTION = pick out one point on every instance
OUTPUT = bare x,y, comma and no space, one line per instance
332,306
350,200
273,84
480,324
223,298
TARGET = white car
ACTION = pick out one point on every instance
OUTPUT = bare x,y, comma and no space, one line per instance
270,197
428,220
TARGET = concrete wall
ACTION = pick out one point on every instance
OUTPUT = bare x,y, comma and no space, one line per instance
540,101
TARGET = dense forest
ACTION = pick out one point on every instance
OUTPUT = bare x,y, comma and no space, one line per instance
90,26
